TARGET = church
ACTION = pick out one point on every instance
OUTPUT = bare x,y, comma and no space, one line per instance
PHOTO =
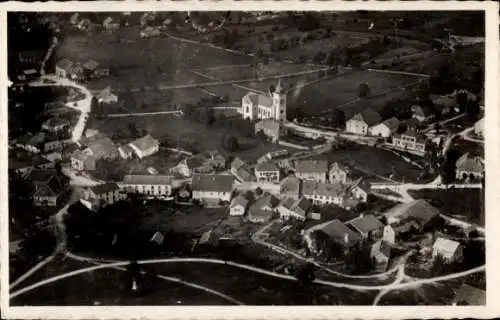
259,106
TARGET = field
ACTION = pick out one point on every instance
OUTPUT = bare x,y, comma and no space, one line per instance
375,162
474,148
469,205
436,294
344,88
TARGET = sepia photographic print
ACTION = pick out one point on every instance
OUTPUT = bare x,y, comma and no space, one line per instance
157,156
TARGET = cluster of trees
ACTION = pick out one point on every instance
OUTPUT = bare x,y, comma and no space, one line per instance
227,38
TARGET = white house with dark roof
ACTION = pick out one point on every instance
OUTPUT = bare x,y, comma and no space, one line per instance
324,193
296,209
316,170
449,250
361,122
468,166
102,195
386,128
148,185
212,187
261,106
143,147
267,171
238,206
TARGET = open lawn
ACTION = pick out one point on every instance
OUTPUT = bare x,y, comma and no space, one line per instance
441,293
471,147
468,204
375,162
344,88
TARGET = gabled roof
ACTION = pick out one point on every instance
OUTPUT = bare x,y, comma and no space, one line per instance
471,295
104,188
145,143
91,65
268,124
244,174
366,223
445,245
368,116
101,146
391,123
312,188
266,166
339,232
147,179
290,184
469,163
212,182
239,200
267,200
419,210
339,166
315,166
237,163
300,206
258,99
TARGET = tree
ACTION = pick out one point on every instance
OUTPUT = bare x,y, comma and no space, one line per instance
95,106
134,132
319,57
363,90
231,144
305,274
258,191
338,118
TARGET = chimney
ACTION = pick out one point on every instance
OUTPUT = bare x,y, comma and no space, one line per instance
346,238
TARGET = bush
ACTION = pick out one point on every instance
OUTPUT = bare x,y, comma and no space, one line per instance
364,90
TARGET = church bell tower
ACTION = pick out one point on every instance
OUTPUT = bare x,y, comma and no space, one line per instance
279,102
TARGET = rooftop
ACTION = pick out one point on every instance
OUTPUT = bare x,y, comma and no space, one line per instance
341,234
212,182
239,200
322,189
419,210
290,184
366,223
369,116
259,99
104,188
469,163
147,179
266,166
447,245
145,143
316,166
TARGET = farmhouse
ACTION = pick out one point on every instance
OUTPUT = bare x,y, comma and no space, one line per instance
263,209
295,209
241,170
48,185
410,141
449,250
101,147
338,173
361,122
238,206
105,96
267,171
418,213
323,193
271,129
260,106
142,147
341,235
102,195
468,166
290,187
315,170
157,185
386,128
212,187
367,226
55,125
82,161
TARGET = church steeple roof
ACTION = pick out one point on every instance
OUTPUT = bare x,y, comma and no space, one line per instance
278,87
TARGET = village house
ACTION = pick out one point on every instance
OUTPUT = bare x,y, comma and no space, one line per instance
290,187
359,190
105,96
323,193
28,75
102,195
238,206
82,161
469,295
140,148
271,129
449,250
261,106
148,185
267,171
212,187
55,125
49,186
101,147
386,128
422,113
341,235
241,170
380,253
338,173
361,122
367,226
410,141
64,68
53,143
295,209
479,128
204,163
414,215
468,166
316,170
263,209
